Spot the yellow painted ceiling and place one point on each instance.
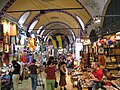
(24, 5)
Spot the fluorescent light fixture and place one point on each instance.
(97, 20)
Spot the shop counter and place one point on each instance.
(116, 83)
(84, 82)
(81, 80)
(116, 76)
(110, 88)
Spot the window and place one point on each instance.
(32, 25)
(23, 18)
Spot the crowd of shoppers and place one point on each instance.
(51, 66)
(20, 63)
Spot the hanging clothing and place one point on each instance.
(24, 58)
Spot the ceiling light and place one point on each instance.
(97, 20)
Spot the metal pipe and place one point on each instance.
(57, 29)
(108, 16)
(15, 11)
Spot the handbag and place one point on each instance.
(56, 84)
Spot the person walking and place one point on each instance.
(50, 79)
(15, 74)
(62, 82)
(33, 74)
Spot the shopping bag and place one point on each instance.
(56, 84)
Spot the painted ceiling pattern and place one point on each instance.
(95, 7)
(50, 12)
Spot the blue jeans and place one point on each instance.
(34, 81)
(7, 77)
(96, 86)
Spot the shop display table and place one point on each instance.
(116, 83)
(83, 82)
(110, 88)
(74, 77)
(116, 76)
(76, 73)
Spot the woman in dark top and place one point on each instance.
(62, 82)
(16, 74)
(33, 74)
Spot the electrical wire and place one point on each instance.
(58, 29)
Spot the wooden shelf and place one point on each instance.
(112, 63)
(113, 68)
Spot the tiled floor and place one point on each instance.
(26, 84)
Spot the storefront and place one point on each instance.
(9, 39)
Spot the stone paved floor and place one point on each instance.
(26, 84)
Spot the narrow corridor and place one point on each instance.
(26, 84)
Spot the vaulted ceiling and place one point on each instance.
(56, 15)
